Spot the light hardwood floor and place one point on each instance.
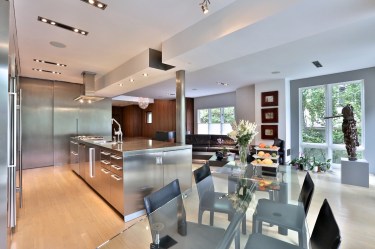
(61, 211)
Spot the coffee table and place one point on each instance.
(214, 162)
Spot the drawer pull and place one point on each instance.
(116, 167)
(105, 153)
(74, 153)
(116, 178)
(105, 162)
(116, 157)
(105, 171)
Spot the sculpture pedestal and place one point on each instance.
(355, 172)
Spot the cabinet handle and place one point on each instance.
(105, 153)
(116, 157)
(159, 160)
(74, 153)
(105, 162)
(92, 162)
(73, 142)
(116, 167)
(105, 171)
(116, 178)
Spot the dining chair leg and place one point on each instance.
(212, 218)
(257, 225)
(237, 239)
(200, 214)
(244, 225)
(302, 238)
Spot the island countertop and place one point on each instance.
(136, 145)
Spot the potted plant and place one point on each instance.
(302, 162)
(324, 166)
(225, 151)
(319, 166)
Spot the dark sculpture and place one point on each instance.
(349, 129)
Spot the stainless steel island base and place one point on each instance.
(123, 174)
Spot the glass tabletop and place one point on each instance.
(177, 224)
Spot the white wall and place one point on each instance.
(282, 86)
(245, 108)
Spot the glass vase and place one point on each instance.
(243, 150)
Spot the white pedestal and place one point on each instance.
(355, 172)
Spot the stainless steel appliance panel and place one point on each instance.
(143, 174)
(117, 192)
(37, 122)
(103, 176)
(105, 159)
(65, 116)
(82, 159)
(95, 118)
(74, 156)
(4, 39)
(177, 165)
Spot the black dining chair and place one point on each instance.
(325, 235)
(284, 215)
(165, 206)
(212, 201)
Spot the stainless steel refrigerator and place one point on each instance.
(4, 151)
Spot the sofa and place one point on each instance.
(210, 143)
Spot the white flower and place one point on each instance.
(243, 132)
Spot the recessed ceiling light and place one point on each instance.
(60, 25)
(52, 63)
(222, 83)
(131, 80)
(121, 84)
(145, 74)
(96, 3)
(275, 72)
(57, 44)
(46, 71)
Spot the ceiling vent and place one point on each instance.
(317, 64)
(89, 88)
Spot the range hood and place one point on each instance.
(89, 89)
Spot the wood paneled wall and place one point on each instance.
(134, 123)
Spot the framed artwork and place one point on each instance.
(270, 98)
(270, 115)
(269, 132)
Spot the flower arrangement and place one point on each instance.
(243, 132)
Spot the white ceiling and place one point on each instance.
(239, 42)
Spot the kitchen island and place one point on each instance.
(123, 173)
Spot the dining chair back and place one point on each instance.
(326, 232)
(306, 193)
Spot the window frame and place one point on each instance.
(210, 118)
(329, 145)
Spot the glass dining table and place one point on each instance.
(175, 225)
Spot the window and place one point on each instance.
(215, 120)
(323, 138)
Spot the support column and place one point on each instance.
(180, 107)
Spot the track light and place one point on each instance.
(204, 6)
